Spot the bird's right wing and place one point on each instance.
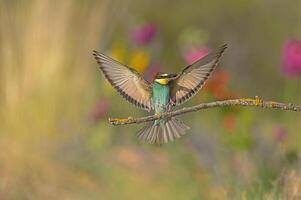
(126, 81)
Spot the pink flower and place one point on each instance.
(280, 134)
(193, 54)
(100, 110)
(144, 34)
(151, 72)
(291, 58)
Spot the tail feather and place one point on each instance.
(162, 132)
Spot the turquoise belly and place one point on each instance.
(160, 98)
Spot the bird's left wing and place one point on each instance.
(193, 77)
(126, 81)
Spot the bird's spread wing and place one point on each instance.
(194, 76)
(127, 81)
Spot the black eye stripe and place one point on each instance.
(166, 76)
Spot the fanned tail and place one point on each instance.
(162, 132)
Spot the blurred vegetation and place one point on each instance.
(56, 142)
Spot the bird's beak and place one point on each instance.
(173, 78)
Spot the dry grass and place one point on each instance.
(45, 60)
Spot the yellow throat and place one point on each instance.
(162, 81)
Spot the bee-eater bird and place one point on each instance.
(166, 91)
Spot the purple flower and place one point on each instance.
(144, 34)
(193, 54)
(291, 58)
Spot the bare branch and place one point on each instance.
(256, 102)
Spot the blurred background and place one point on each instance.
(56, 142)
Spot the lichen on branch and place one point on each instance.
(255, 102)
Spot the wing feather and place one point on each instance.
(126, 81)
(194, 76)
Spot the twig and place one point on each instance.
(257, 102)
